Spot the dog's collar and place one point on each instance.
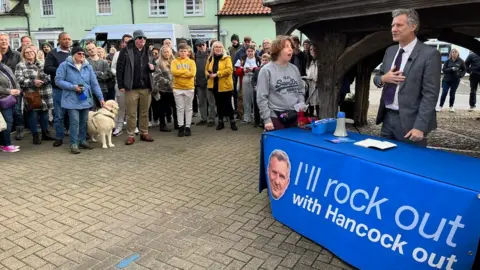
(108, 109)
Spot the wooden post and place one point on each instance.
(329, 47)
(362, 92)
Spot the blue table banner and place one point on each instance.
(375, 209)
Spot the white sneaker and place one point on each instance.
(156, 123)
(438, 109)
(471, 109)
(117, 132)
(137, 131)
(452, 109)
(150, 124)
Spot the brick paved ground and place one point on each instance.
(186, 203)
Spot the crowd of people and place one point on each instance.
(157, 86)
(152, 86)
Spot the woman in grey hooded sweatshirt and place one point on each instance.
(280, 87)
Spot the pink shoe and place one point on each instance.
(10, 149)
(16, 146)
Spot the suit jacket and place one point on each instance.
(418, 94)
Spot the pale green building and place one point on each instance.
(43, 20)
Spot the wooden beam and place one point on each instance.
(458, 16)
(363, 48)
(339, 9)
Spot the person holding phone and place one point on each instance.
(245, 68)
(79, 83)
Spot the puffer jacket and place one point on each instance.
(68, 77)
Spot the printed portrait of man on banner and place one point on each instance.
(278, 173)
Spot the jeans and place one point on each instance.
(78, 126)
(247, 89)
(5, 139)
(452, 86)
(59, 114)
(474, 81)
(122, 112)
(18, 112)
(166, 103)
(206, 103)
(235, 92)
(33, 120)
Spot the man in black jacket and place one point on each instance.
(52, 62)
(473, 67)
(134, 78)
(11, 58)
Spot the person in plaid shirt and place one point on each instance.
(31, 77)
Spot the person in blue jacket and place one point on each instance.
(79, 83)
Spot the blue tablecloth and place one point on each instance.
(424, 190)
(450, 168)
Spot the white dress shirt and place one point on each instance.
(407, 52)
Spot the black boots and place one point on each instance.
(19, 135)
(36, 139)
(164, 128)
(46, 136)
(233, 126)
(181, 131)
(220, 125)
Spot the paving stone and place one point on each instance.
(207, 215)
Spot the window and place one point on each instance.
(194, 7)
(158, 8)
(4, 6)
(47, 8)
(104, 7)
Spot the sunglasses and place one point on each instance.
(144, 38)
(81, 53)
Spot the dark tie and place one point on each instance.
(390, 88)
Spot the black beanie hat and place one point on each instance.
(235, 37)
(77, 48)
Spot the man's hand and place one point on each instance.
(38, 83)
(14, 92)
(415, 135)
(269, 126)
(212, 75)
(151, 66)
(393, 76)
(122, 90)
(78, 89)
(102, 103)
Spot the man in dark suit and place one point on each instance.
(410, 78)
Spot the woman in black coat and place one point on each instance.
(453, 70)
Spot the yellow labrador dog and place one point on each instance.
(102, 122)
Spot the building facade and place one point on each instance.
(47, 18)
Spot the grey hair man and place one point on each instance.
(410, 78)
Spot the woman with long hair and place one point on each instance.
(280, 87)
(453, 70)
(219, 70)
(37, 89)
(162, 88)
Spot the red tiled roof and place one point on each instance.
(244, 7)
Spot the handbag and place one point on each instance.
(7, 102)
(287, 118)
(33, 98)
(3, 123)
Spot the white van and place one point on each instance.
(108, 35)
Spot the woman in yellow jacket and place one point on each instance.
(219, 71)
